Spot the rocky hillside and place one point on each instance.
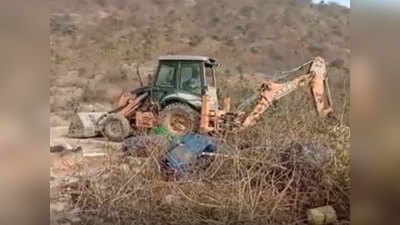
(95, 45)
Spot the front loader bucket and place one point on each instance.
(83, 125)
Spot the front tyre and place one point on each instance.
(115, 127)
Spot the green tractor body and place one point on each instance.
(173, 96)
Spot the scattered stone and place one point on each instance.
(321, 215)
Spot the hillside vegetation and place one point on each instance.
(94, 43)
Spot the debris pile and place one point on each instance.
(179, 154)
(187, 154)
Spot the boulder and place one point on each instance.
(321, 215)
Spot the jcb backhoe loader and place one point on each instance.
(183, 97)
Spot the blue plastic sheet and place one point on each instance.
(182, 156)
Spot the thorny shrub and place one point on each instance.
(255, 181)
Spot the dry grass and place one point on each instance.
(259, 184)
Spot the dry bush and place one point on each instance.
(258, 181)
(255, 185)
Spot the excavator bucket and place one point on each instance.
(84, 125)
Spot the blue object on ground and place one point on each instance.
(183, 156)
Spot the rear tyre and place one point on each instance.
(179, 119)
(115, 127)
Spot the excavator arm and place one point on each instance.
(312, 73)
(270, 91)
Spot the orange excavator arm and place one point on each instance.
(270, 91)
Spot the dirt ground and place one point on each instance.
(65, 165)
